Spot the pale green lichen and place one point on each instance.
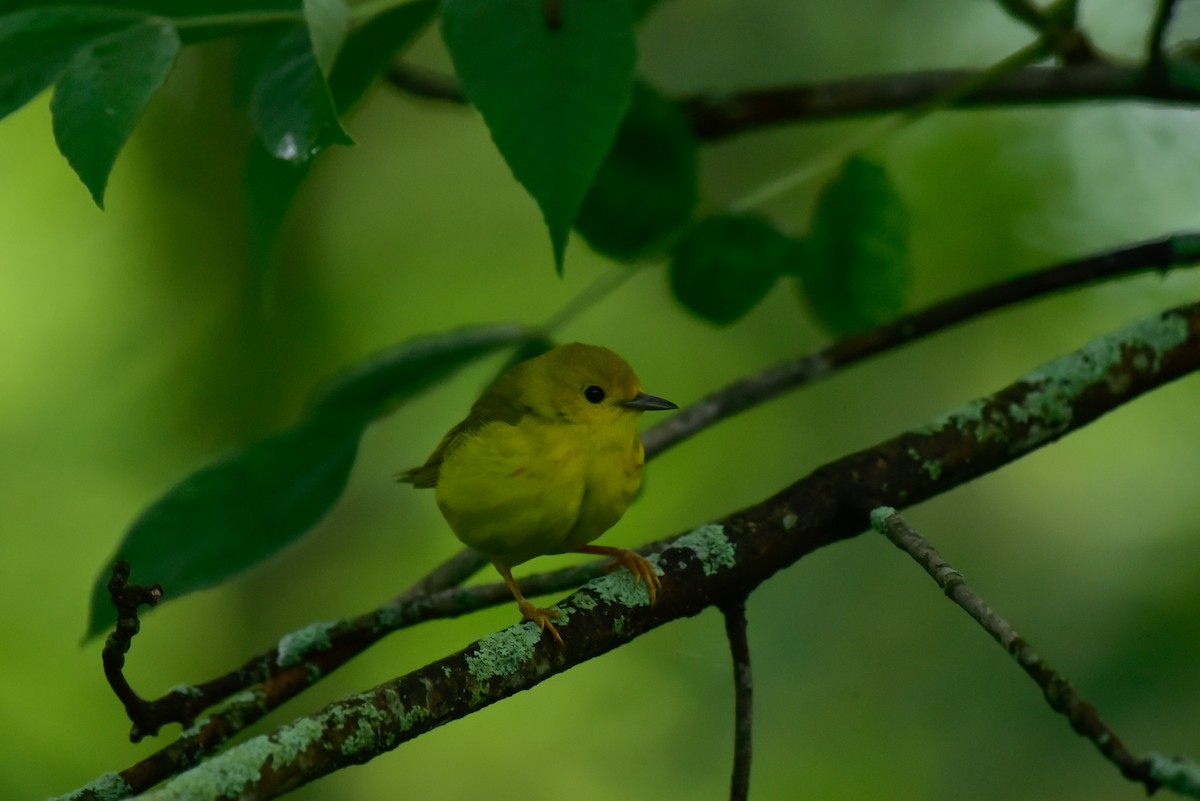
(621, 587)
(504, 652)
(879, 517)
(932, 468)
(789, 521)
(1050, 407)
(225, 775)
(292, 648)
(710, 546)
(361, 739)
(109, 787)
(1178, 774)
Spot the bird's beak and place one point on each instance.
(648, 403)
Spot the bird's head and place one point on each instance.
(584, 384)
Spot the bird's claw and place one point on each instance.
(643, 570)
(543, 618)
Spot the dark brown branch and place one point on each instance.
(743, 713)
(1157, 255)
(1062, 697)
(716, 117)
(127, 598)
(721, 116)
(724, 561)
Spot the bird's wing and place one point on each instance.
(499, 403)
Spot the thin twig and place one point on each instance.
(127, 598)
(1062, 697)
(718, 117)
(743, 686)
(1156, 255)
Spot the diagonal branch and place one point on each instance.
(1156, 255)
(718, 563)
(1063, 698)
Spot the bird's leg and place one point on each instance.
(634, 562)
(543, 617)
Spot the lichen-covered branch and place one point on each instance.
(717, 563)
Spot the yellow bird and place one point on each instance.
(547, 460)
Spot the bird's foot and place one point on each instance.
(544, 618)
(643, 569)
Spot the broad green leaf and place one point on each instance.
(37, 44)
(271, 184)
(726, 264)
(646, 188)
(102, 93)
(291, 106)
(236, 511)
(328, 21)
(370, 48)
(552, 97)
(855, 272)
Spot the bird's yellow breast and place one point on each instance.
(540, 486)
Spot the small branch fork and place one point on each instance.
(1062, 697)
(273, 677)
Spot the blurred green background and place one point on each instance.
(137, 345)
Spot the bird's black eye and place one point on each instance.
(594, 394)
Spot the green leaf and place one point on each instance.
(102, 93)
(270, 185)
(370, 48)
(856, 271)
(291, 106)
(37, 44)
(236, 511)
(646, 188)
(552, 97)
(328, 21)
(726, 264)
